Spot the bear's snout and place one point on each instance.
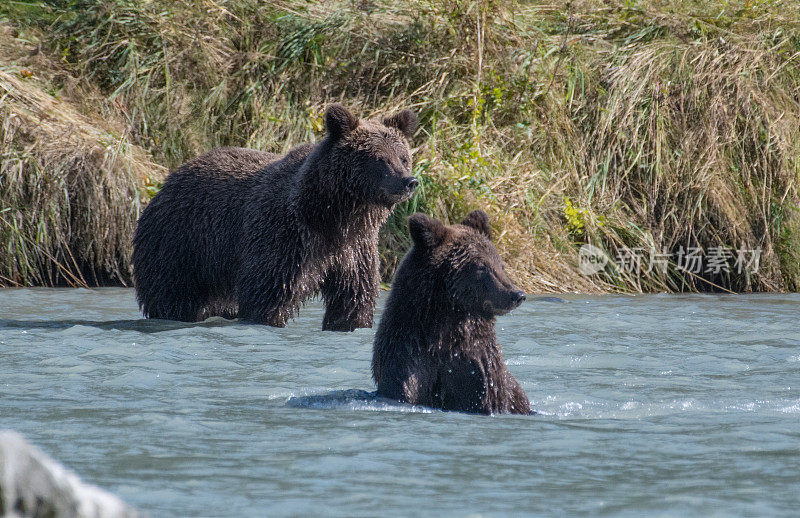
(501, 302)
(399, 188)
(510, 301)
(517, 298)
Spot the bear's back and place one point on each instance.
(212, 185)
(227, 163)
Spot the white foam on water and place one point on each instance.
(792, 408)
(353, 400)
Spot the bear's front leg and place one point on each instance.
(519, 403)
(350, 294)
(404, 376)
(463, 386)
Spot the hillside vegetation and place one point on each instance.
(633, 126)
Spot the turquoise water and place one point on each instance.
(649, 405)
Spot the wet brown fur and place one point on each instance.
(436, 343)
(242, 232)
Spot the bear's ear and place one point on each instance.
(426, 231)
(405, 121)
(478, 220)
(339, 121)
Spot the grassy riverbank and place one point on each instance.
(665, 126)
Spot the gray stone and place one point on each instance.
(34, 485)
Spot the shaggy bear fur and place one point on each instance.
(242, 232)
(436, 344)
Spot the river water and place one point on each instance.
(648, 405)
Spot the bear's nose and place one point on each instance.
(411, 183)
(519, 297)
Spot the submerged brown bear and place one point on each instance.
(436, 343)
(242, 232)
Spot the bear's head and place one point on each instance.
(374, 157)
(465, 264)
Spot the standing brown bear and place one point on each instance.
(436, 344)
(247, 233)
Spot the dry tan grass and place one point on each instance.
(70, 187)
(622, 124)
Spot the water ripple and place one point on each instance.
(648, 405)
